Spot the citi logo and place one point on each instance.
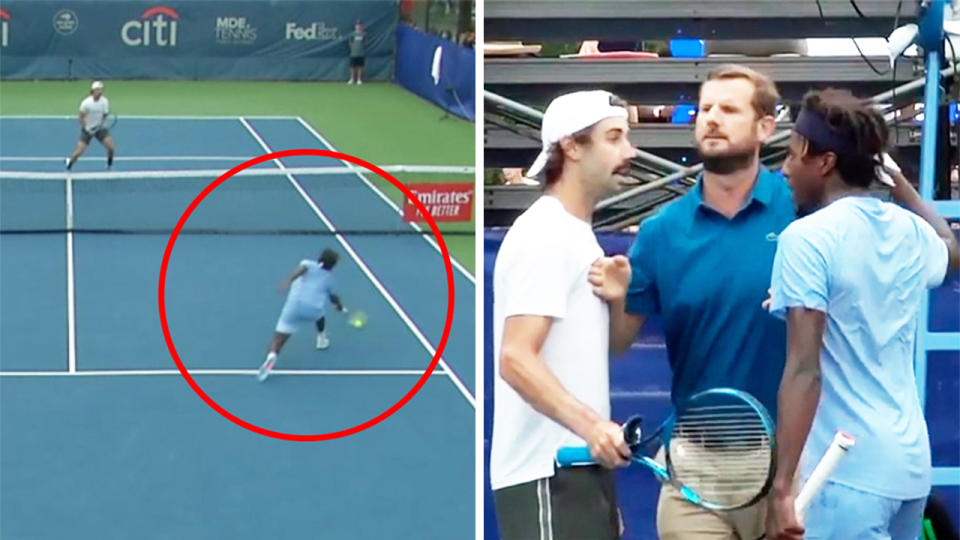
(160, 22)
(318, 31)
(4, 27)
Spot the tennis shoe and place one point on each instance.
(267, 367)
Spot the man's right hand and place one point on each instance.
(607, 445)
(610, 277)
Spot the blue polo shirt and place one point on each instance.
(706, 276)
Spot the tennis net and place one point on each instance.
(312, 201)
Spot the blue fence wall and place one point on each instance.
(437, 70)
(640, 384)
(224, 39)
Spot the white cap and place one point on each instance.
(97, 85)
(569, 114)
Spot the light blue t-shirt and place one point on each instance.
(313, 288)
(867, 264)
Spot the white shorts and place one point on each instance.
(295, 314)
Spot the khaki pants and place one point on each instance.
(679, 519)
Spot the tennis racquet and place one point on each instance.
(719, 449)
(835, 452)
(108, 123)
(811, 488)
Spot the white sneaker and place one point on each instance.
(359, 82)
(267, 367)
(322, 340)
(350, 81)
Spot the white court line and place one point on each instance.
(238, 159)
(71, 285)
(366, 270)
(142, 117)
(242, 372)
(356, 170)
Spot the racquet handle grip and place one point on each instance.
(572, 456)
(837, 450)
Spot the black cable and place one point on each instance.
(865, 17)
(867, 60)
(896, 18)
(893, 98)
(857, 45)
(857, 9)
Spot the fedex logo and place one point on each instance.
(318, 31)
(160, 22)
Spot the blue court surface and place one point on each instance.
(101, 438)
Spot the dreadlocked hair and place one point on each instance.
(861, 123)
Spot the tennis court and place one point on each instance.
(99, 435)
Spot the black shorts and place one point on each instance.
(578, 503)
(100, 135)
(357, 61)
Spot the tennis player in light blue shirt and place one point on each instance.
(310, 292)
(849, 278)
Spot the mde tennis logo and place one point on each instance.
(235, 30)
(445, 202)
(318, 31)
(156, 27)
(4, 27)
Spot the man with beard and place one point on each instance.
(703, 265)
(551, 335)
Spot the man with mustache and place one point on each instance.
(551, 335)
(703, 265)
